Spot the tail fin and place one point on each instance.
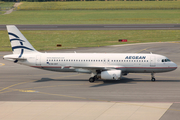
(19, 43)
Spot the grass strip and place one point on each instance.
(92, 17)
(47, 40)
(101, 5)
(6, 5)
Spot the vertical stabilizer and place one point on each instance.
(19, 43)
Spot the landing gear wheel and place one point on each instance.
(91, 79)
(153, 79)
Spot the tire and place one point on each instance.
(153, 79)
(91, 79)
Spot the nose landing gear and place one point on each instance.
(152, 77)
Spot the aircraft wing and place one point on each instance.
(95, 68)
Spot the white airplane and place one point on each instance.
(108, 66)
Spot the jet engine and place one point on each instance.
(110, 75)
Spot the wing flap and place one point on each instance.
(94, 68)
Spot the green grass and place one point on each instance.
(52, 13)
(47, 40)
(92, 17)
(95, 5)
(6, 4)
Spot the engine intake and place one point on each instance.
(111, 75)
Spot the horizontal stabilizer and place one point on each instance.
(13, 57)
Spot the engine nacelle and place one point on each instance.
(111, 75)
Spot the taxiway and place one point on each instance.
(29, 86)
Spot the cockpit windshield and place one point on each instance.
(166, 60)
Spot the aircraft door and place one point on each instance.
(38, 60)
(153, 61)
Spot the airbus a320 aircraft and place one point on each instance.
(108, 66)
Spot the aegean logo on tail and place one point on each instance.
(21, 42)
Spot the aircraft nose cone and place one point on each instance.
(175, 66)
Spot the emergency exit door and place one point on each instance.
(38, 60)
(153, 61)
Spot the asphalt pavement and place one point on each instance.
(99, 27)
(29, 86)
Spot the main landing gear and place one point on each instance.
(152, 77)
(92, 79)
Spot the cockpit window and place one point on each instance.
(166, 60)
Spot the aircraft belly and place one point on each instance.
(148, 70)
